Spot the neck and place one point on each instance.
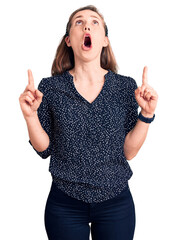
(88, 73)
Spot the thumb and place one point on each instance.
(39, 95)
(137, 93)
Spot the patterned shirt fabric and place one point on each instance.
(86, 147)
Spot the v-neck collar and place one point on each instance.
(100, 93)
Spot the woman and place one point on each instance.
(85, 116)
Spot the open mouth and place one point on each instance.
(87, 41)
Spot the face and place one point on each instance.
(87, 22)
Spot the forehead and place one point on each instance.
(86, 13)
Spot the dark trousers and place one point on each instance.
(67, 218)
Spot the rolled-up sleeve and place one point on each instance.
(131, 107)
(45, 118)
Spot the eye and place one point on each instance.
(95, 21)
(79, 21)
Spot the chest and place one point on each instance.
(74, 118)
(89, 92)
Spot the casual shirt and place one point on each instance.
(86, 147)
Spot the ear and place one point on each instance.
(67, 40)
(106, 42)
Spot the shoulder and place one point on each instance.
(125, 81)
(52, 83)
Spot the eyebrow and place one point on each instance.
(82, 16)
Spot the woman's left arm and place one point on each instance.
(146, 98)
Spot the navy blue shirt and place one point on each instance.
(86, 146)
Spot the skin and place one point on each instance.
(87, 63)
(30, 100)
(88, 70)
(87, 66)
(146, 98)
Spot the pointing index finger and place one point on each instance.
(31, 79)
(145, 79)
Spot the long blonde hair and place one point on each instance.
(64, 57)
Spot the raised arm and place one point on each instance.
(146, 98)
(30, 101)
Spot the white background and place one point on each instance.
(141, 33)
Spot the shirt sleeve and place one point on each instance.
(132, 107)
(45, 118)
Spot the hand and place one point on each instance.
(146, 96)
(31, 98)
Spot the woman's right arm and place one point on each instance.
(30, 101)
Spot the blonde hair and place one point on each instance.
(64, 57)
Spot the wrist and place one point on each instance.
(148, 118)
(33, 116)
(147, 115)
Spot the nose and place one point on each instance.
(86, 28)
